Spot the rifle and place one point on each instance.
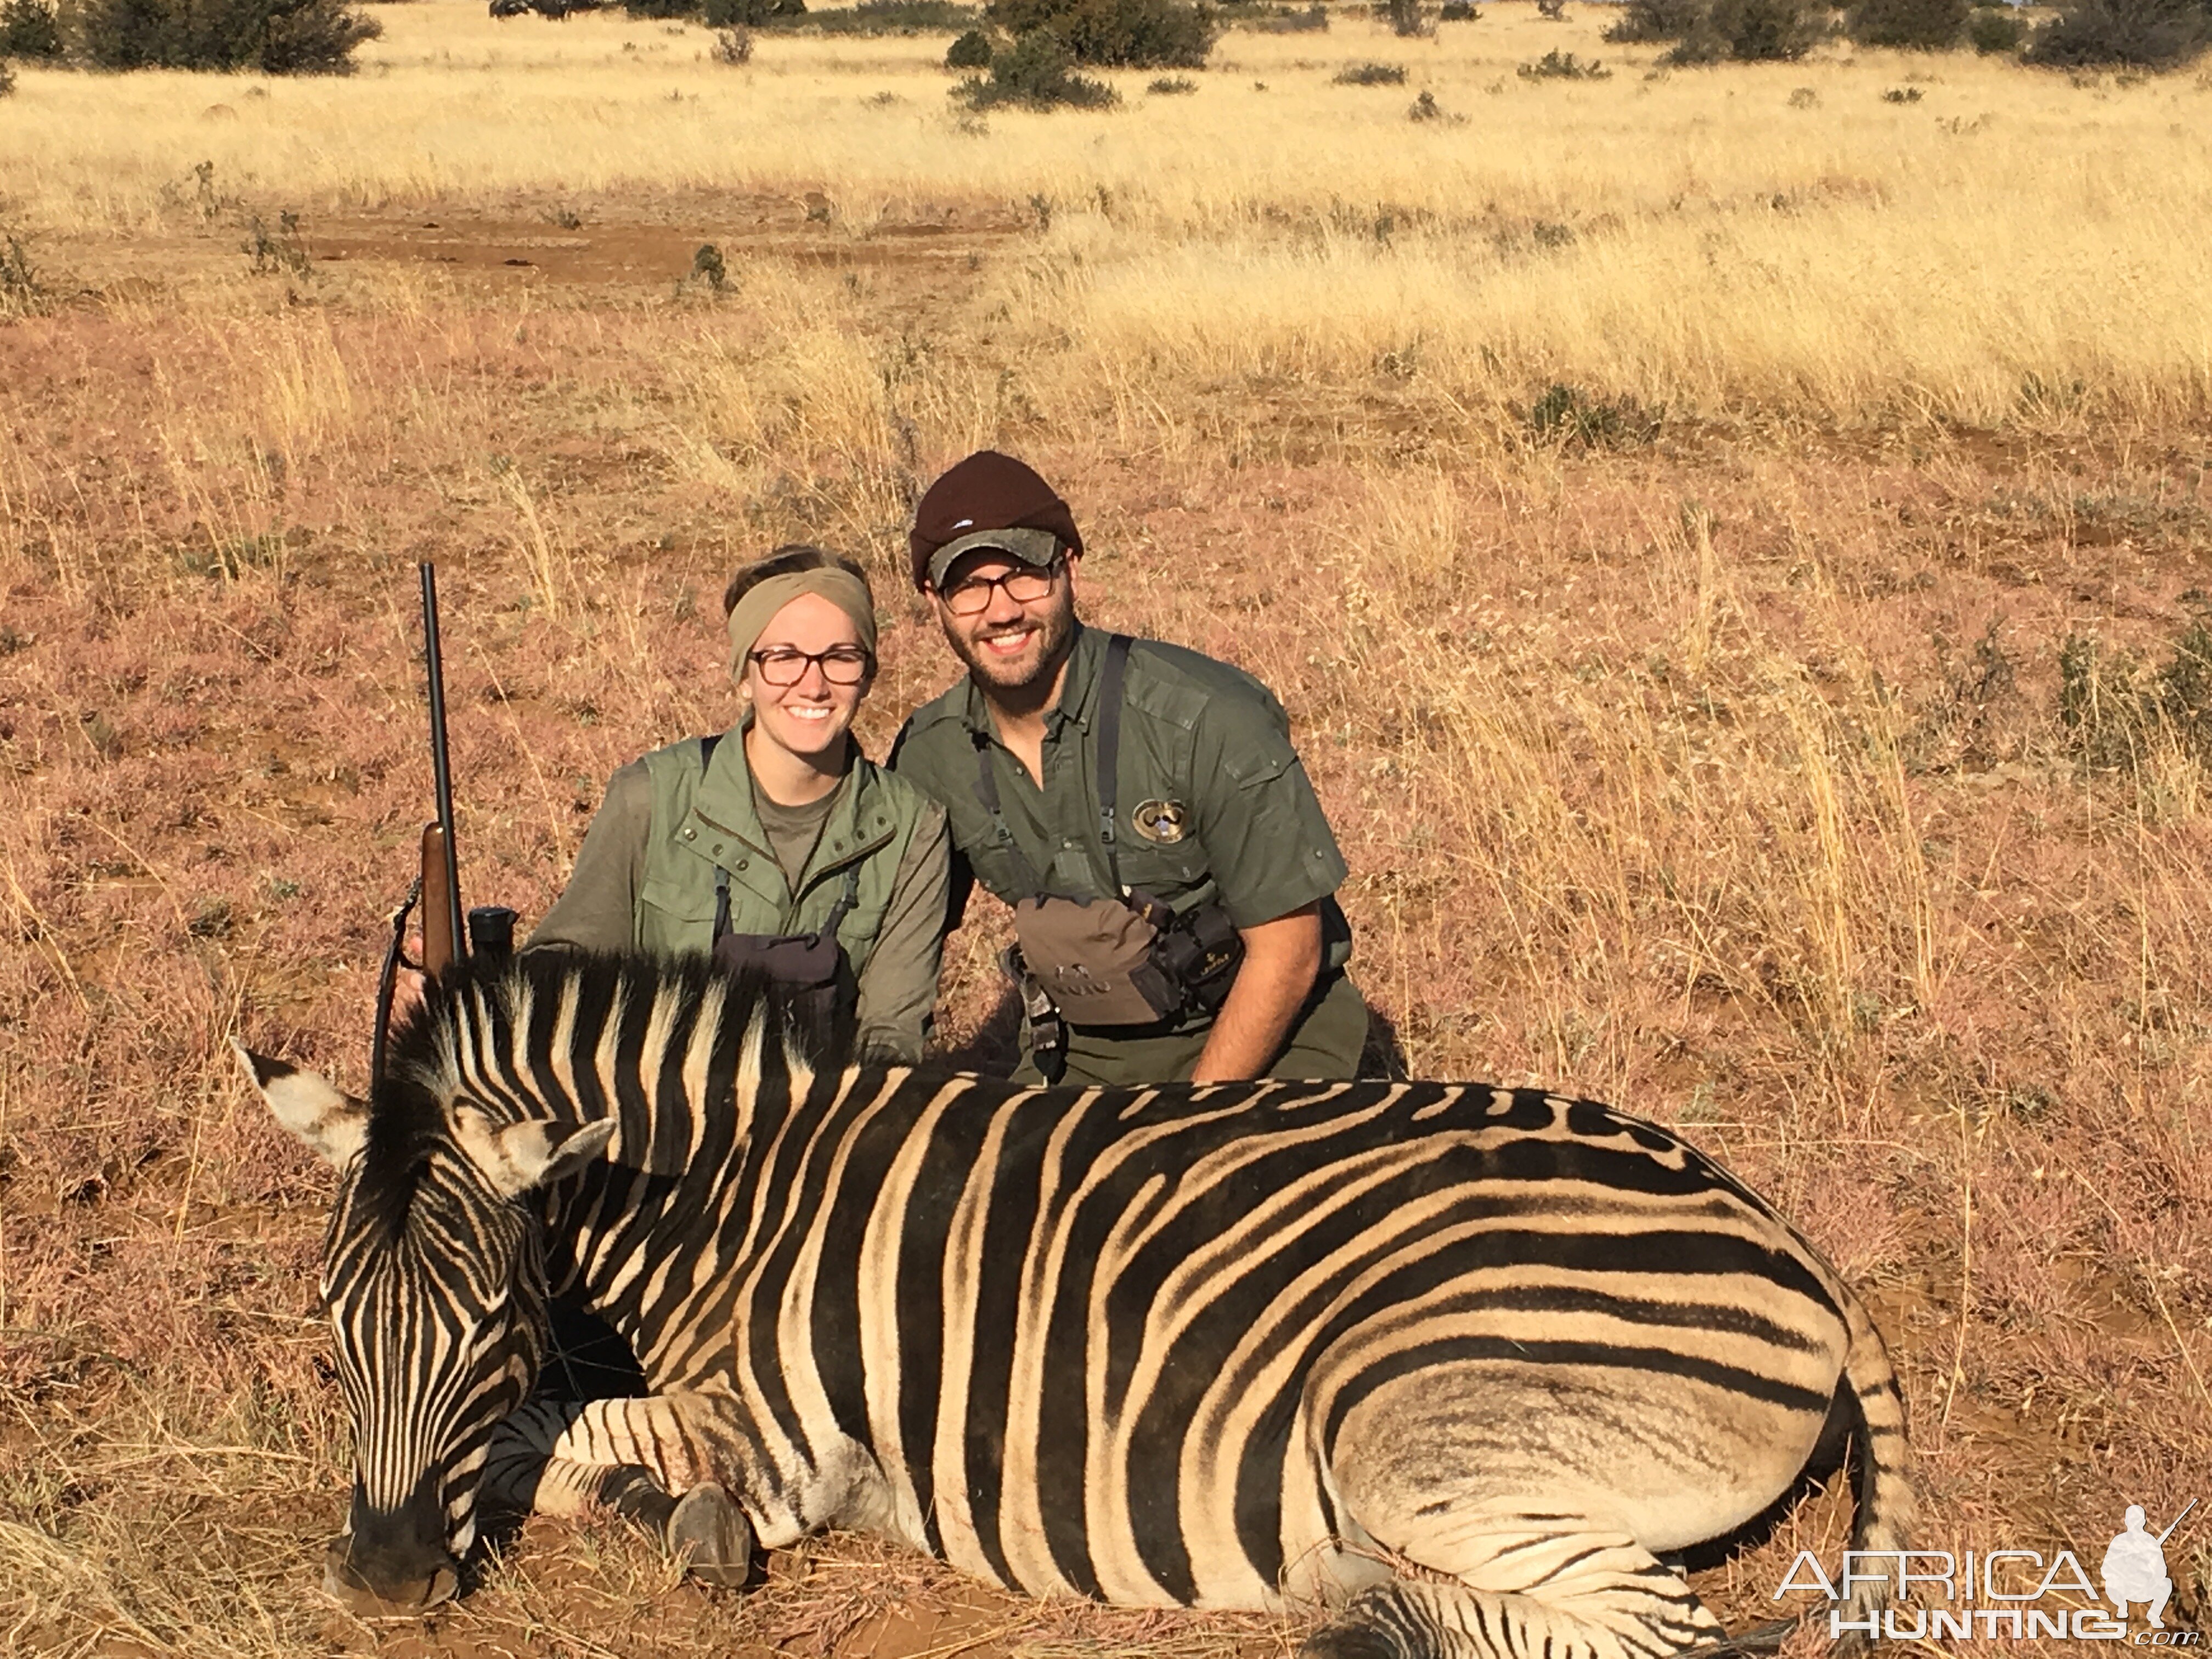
(445, 943)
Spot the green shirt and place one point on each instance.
(1213, 802)
(645, 876)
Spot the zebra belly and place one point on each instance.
(1666, 1461)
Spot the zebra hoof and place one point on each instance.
(711, 1539)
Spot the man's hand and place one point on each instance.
(1282, 959)
(409, 991)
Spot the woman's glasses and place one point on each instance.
(841, 665)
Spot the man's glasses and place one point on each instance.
(841, 665)
(1025, 585)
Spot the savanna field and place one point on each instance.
(1734, 542)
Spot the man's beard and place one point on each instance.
(1038, 664)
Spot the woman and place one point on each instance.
(778, 845)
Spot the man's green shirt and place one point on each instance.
(1213, 802)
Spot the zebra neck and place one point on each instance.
(646, 1241)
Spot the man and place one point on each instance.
(1139, 806)
(2134, 1569)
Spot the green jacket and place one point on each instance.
(1212, 801)
(646, 876)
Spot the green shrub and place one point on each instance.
(1557, 65)
(277, 37)
(971, 50)
(666, 8)
(20, 290)
(1036, 72)
(1122, 33)
(1458, 11)
(1996, 29)
(1645, 20)
(1747, 31)
(1917, 24)
(900, 17)
(1369, 75)
(2142, 33)
(30, 29)
(1172, 86)
(2114, 713)
(1280, 19)
(1567, 414)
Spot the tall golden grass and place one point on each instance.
(2015, 248)
(1722, 774)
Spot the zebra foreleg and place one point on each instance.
(1571, 1596)
(574, 1459)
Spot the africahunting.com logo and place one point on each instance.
(2020, 1594)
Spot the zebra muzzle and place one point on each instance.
(369, 1588)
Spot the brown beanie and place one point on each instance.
(987, 491)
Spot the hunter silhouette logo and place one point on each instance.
(2025, 1595)
(2135, 1567)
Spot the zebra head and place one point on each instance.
(433, 1276)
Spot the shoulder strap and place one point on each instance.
(721, 876)
(1109, 748)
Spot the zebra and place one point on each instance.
(1462, 1367)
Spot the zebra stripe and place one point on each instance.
(1223, 1347)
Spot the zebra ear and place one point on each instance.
(333, 1123)
(517, 1156)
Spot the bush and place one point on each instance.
(1749, 32)
(2143, 33)
(1567, 414)
(1459, 11)
(1557, 65)
(29, 28)
(2116, 711)
(971, 50)
(7, 78)
(1405, 17)
(277, 37)
(1034, 73)
(1287, 20)
(882, 17)
(724, 14)
(1917, 25)
(732, 45)
(1369, 74)
(1122, 33)
(1645, 20)
(1995, 28)
(1172, 86)
(20, 290)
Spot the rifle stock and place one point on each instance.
(441, 946)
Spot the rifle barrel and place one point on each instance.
(2178, 1520)
(441, 766)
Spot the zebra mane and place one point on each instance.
(483, 1037)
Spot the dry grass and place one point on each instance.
(1671, 773)
(1695, 240)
